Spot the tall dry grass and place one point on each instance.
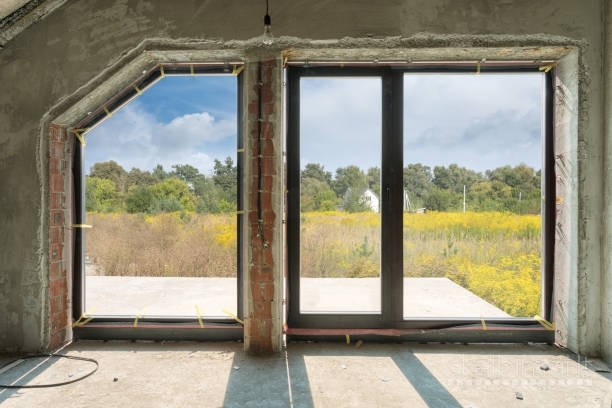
(494, 255)
(168, 244)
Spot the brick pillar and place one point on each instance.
(263, 169)
(59, 242)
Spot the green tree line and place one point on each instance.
(110, 188)
(513, 189)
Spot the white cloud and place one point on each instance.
(341, 121)
(133, 137)
(477, 121)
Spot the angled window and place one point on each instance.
(160, 192)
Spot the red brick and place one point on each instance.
(265, 327)
(266, 201)
(267, 183)
(268, 148)
(262, 256)
(267, 161)
(261, 273)
(56, 235)
(55, 271)
(262, 309)
(57, 218)
(55, 252)
(267, 95)
(57, 339)
(54, 165)
(268, 109)
(258, 345)
(59, 320)
(268, 167)
(55, 132)
(58, 304)
(267, 130)
(262, 291)
(269, 217)
(55, 201)
(253, 108)
(58, 287)
(56, 150)
(57, 183)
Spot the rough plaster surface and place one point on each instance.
(606, 287)
(47, 64)
(9, 6)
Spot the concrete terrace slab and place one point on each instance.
(160, 296)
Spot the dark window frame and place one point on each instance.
(151, 327)
(391, 319)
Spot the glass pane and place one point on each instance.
(340, 149)
(161, 194)
(472, 166)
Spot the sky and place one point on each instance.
(178, 120)
(476, 121)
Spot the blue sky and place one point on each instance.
(178, 120)
(477, 121)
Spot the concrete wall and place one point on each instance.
(606, 287)
(56, 60)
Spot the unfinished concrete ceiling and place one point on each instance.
(10, 6)
(17, 15)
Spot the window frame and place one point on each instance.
(302, 325)
(151, 327)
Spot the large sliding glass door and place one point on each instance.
(340, 153)
(472, 239)
(415, 198)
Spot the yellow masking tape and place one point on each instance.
(548, 325)
(478, 68)
(138, 316)
(227, 312)
(81, 226)
(199, 316)
(108, 113)
(80, 137)
(137, 89)
(161, 70)
(191, 69)
(83, 319)
(348, 338)
(237, 69)
(484, 325)
(548, 67)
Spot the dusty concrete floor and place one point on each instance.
(314, 375)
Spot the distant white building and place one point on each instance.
(367, 197)
(370, 199)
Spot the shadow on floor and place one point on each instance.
(317, 374)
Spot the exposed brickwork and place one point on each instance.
(59, 180)
(259, 329)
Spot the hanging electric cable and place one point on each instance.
(267, 34)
